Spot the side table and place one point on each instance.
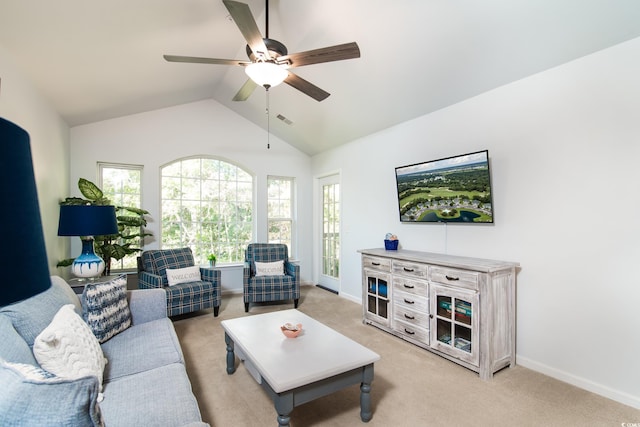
(78, 284)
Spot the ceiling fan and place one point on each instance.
(269, 59)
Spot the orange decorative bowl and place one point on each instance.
(291, 330)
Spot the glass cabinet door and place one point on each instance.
(377, 296)
(455, 323)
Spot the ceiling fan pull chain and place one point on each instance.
(268, 126)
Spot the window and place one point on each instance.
(280, 211)
(122, 184)
(207, 205)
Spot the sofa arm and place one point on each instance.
(148, 280)
(147, 305)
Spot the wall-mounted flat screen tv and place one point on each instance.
(453, 189)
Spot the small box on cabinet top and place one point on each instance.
(391, 245)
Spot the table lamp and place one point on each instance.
(87, 221)
(24, 263)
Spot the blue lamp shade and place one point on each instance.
(87, 221)
(24, 265)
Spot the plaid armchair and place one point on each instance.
(269, 287)
(183, 297)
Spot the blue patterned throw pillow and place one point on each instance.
(105, 307)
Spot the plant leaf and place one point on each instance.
(90, 190)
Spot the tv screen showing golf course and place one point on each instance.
(453, 189)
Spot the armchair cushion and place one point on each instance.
(275, 268)
(183, 275)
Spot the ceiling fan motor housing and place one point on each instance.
(275, 48)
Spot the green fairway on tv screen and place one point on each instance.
(453, 189)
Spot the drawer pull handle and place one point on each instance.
(409, 301)
(409, 332)
(409, 286)
(375, 263)
(409, 317)
(452, 278)
(408, 270)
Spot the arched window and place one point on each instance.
(207, 205)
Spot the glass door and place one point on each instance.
(455, 323)
(329, 277)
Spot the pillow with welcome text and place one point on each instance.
(183, 275)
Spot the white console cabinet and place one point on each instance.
(458, 307)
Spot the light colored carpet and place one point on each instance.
(412, 387)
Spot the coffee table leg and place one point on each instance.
(231, 357)
(284, 406)
(365, 394)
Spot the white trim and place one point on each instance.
(583, 383)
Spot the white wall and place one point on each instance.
(22, 104)
(156, 138)
(564, 148)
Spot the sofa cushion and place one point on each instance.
(141, 348)
(13, 348)
(31, 316)
(105, 307)
(68, 348)
(32, 396)
(159, 397)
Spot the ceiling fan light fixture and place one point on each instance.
(266, 74)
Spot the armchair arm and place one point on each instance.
(292, 270)
(208, 274)
(246, 273)
(148, 280)
(147, 305)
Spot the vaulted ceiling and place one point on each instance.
(96, 60)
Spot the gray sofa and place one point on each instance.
(145, 381)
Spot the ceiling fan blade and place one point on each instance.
(246, 90)
(325, 54)
(194, 59)
(305, 87)
(243, 18)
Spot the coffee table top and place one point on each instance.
(317, 353)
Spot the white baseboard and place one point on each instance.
(351, 298)
(618, 396)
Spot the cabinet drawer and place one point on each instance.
(410, 301)
(412, 317)
(416, 287)
(382, 264)
(412, 331)
(409, 269)
(455, 277)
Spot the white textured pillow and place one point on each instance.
(275, 268)
(68, 348)
(183, 275)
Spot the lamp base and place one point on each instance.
(88, 264)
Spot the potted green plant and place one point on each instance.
(212, 260)
(130, 227)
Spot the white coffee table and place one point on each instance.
(294, 371)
